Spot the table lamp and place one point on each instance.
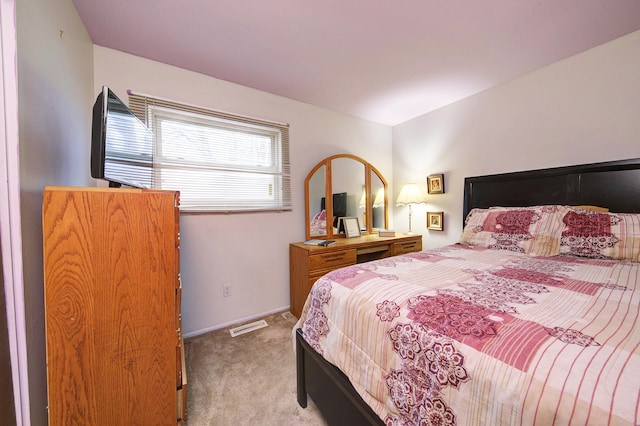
(410, 194)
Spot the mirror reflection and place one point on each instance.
(347, 181)
(362, 208)
(354, 188)
(316, 191)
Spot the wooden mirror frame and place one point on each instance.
(369, 171)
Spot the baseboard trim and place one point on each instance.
(236, 322)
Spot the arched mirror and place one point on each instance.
(344, 185)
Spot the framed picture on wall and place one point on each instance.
(435, 184)
(435, 221)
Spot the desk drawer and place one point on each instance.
(332, 260)
(315, 276)
(406, 247)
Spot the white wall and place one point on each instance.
(583, 109)
(250, 251)
(55, 90)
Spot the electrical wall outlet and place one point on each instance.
(226, 290)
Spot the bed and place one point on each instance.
(531, 319)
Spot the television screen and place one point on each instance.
(121, 144)
(339, 206)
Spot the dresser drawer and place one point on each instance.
(307, 288)
(332, 260)
(403, 247)
(315, 276)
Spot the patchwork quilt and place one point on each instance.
(472, 336)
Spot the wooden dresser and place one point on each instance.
(308, 263)
(114, 345)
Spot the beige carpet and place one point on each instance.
(246, 380)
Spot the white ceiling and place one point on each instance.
(382, 60)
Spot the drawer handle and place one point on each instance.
(410, 244)
(336, 256)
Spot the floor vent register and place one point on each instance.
(247, 328)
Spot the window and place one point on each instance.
(218, 161)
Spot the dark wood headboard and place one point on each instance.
(612, 184)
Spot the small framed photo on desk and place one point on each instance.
(351, 227)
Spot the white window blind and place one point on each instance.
(219, 162)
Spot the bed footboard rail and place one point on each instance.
(301, 389)
(329, 388)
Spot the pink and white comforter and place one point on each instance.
(466, 335)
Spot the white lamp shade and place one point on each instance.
(379, 200)
(363, 199)
(410, 194)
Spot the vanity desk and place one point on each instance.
(308, 263)
(342, 186)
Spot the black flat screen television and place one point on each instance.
(339, 206)
(121, 144)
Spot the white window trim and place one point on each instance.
(145, 106)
